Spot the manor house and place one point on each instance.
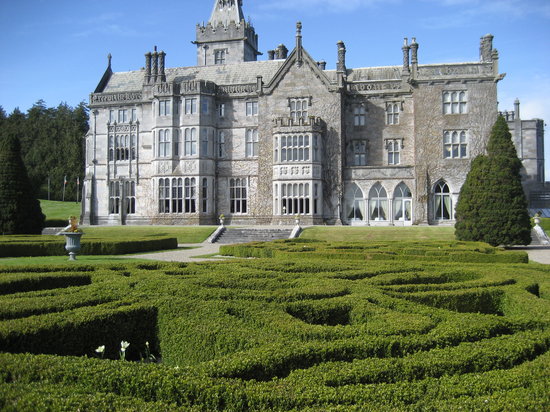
(265, 142)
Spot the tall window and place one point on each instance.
(219, 57)
(359, 148)
(204, 106)
(164, 107)
(134, 115)
(130, 197)
(359, 115)
(238, 200)
(164, 195)
(190, 142)
(122, 147)
(402, 200)
(394, 152)
(114, 197)
(204, 195)
(191, 106)
(177, 142)
(316, 191)
(392, 113)
(455, 102)
(251, 143)
(251, 108)
(190, 195)
(298, 109)
(442, 200)
(112, 117)
(221, 110)
(295, 199)
(164, 144)
(177, 195)
(204, 142)
(316, 148)
(354, 203)
(221, 144)
(455, 144)
(295, 148)
(378, 203)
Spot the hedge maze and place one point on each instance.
(288, 326)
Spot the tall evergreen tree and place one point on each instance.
(20, 211)
(492, 206)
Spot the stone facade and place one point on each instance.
(263, 142)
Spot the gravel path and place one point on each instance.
(184, 253)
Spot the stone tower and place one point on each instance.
(227, 38)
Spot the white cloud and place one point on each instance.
(333, 6)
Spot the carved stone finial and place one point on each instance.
(299, 43)
(109, 58)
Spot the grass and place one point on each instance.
(545, 224)
(184, 234)
(376, 234)
(59, 210)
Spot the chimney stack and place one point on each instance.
(147, 67)
(341, 66)
(406, 53)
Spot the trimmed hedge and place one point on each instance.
(56, 247)
(293, 332)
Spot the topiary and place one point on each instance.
(492, 206)
(20, 211)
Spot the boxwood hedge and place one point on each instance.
(304, 326)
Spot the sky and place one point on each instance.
(56, 50)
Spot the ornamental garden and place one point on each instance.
(301, 325)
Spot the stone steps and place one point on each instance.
(240, 235)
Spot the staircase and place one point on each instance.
(245, 235)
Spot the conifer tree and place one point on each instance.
(492, 206)
(20, 211)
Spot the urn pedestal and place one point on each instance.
(72, 243)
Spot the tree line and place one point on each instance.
(52, 146)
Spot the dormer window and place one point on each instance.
(219, 56)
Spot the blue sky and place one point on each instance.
(56, 50)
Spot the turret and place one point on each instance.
(226, 38)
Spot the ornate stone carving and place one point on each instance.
(125, 97)
(375, 86)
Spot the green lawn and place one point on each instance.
(184, 234)
(59, 210)
(357, 234)
(545, 224)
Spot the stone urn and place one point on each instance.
(72, 243)
(536, 219)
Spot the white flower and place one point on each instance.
(100, 349)
(147, 343)
(124, 345)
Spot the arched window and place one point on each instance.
(164, 195)
(442, 201)
(378, 203)
(355, 203)
(402, 200)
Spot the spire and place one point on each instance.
(225, 12)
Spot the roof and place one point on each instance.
(226, 74)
